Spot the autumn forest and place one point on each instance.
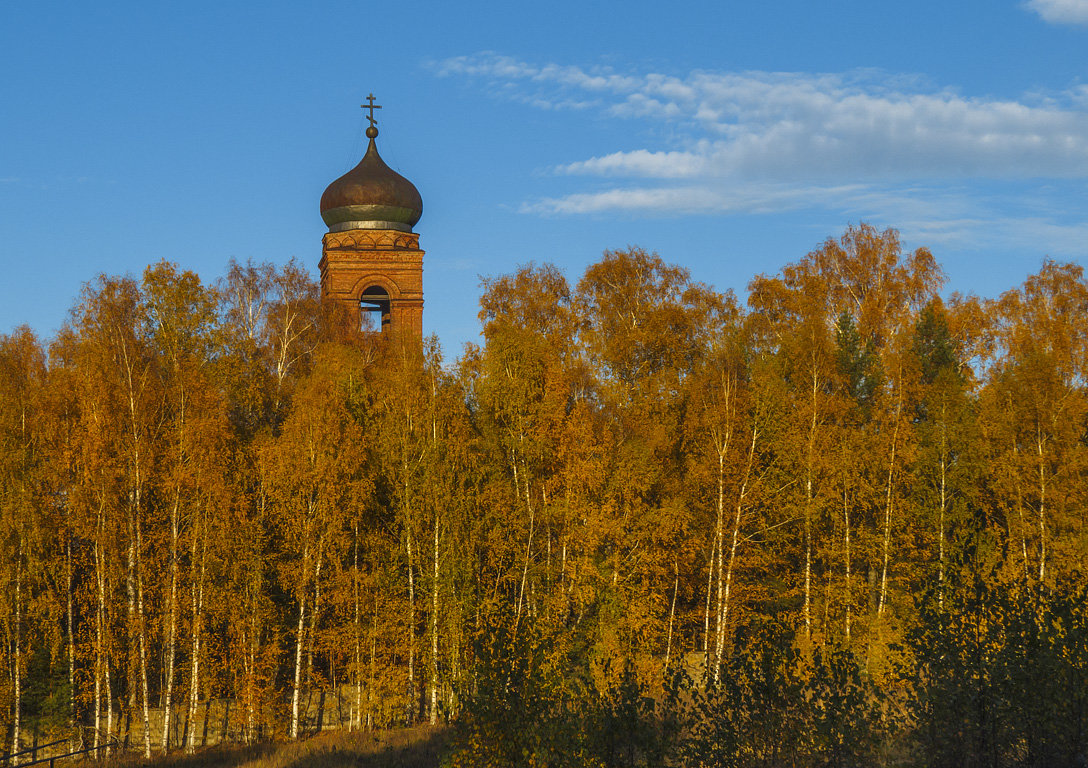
(838, 521)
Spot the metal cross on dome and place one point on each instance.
(370, 105)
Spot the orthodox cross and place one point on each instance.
(370, 105)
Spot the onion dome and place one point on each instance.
(371, 196)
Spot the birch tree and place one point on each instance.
(1035, 405)
(22, 373)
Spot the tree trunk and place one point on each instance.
(17, 660)
(719, 541)
(70, 632)
(251, 672)
(672, 610)
(888, 509)
(171, 625)
(314, 610)
(357, 714)
(1020, 507)
(252, 653)
(809, 503)
(299, 641)
(411, 704)
(944, 506)
(434, 626)
(109, 707)
(131, 664)
(254, 628)
(197, 595)
(525, 564)
(846, 535)
(723, 622)
(706, 615)
(142, 638)
(1039, 445)
(373, 666)
(101, 659)
(136, 481)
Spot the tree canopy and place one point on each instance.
(843, 502)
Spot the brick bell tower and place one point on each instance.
(370, 257)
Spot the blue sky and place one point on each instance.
(730, 137)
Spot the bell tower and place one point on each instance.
(370, 257)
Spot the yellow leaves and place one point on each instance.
(644, 321)
(863, 273)
(607, 447)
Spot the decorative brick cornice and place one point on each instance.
(376, 240)
(355, 260)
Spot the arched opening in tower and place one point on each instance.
(374, 301)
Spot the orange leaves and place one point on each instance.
(636, 462)
(863, 274)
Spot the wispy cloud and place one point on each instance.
(790, 126)
(866, 144)
(956, 218)
(696, 199)
(1060, 11)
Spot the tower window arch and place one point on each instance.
(374, 300)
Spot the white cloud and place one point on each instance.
(695, 199)
(864, 144)
(641, 162)
(792, 126)
(1060, 11)
(507, 67)
(939, 218)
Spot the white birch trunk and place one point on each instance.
(434, 627)
(142, 640)
(1039, 443)
(97, 688)
(672, 611)
(252, 648)
(102, 665)
(373, 667)
(109, 708)
(131, 664)
(1020, 508)
(719, 533)
(733, 549)
(564, 586)
(172, 617)
(254, 587)
(17, 660)
(314, 613)
(721, 446)
(70, 632)
(106, 671)
(134, 500)
(706, 615)
(98, 645)
(197, 593)
(171, 625)
(944, 505)
(411, 705)
(846, 536)
(299, 641)
(888, 509)
(810, 458)
(357, 714)
(528, 551)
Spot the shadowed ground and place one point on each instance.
(420, 747)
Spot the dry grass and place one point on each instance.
(420, 747)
